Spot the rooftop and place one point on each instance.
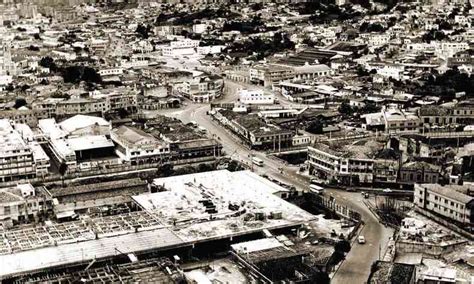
(357, 149)
(456, 192)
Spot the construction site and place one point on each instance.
(190, 214)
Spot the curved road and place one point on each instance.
(356, 267)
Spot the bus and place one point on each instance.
(316, 189)
(257, 161)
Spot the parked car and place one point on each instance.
(387, 190)
(361, 240)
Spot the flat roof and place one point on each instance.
(39, 259)
(89, 142)
(188, 198)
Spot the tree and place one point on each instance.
(345, 108)
(315, 127)
(143, 30)
(19, 102)
(62, 172)
(48, 62)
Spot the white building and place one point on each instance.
(257, 97)
(450, 201)
(180, 48)
(199, 28)
(16, 156)
(136, 146)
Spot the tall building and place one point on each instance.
(16, 156)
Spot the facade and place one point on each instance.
(419, 172)
(399, 121)
(16, 156)
(332, 164)
(201, 89)
(266, 75)
(20, 203)
(450, 201)
(25, 116)
(251, 97)
(136, 146)
(459, 113)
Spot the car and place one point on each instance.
(361, 240)
(387, 190)
(366, 195)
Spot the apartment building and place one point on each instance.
(450, 201)
(338, 161)
(16, 157)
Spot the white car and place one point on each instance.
(387, 190)
(361, 240)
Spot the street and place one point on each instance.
(356, 267)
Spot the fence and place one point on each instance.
(331, 204)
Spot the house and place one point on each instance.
(21, 203)
(419, 172)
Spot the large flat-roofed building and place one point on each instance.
(223, 198)
(190, 210)
(78, 140)
(454, 202)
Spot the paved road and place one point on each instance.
(356, 267)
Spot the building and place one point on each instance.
(83, 125)
(419, 172)
(202, 88)
(180, 48)
(16, 156)
(105, 195)
(399, 121)
(453, 202)
(267, 75)
(135, 146)
(189, 212)
(250, 97)
(344, 162)
(279, 260)
(21, 115)
(254, 131)
(78, 141)
(21, 203)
